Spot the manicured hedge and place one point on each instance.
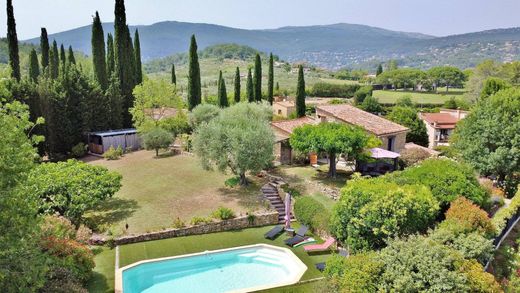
(323, 89)
(503, 215)
(312, 213)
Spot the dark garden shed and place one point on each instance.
(100, 142)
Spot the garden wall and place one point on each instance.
(264, 219)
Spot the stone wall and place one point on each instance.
(264, 219)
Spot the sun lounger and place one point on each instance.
(320, 247)
(309, 240)
(299, 237)
(273, 233)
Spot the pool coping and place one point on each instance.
(290, 281)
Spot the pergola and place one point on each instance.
(376, 169)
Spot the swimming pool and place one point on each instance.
(240, 269)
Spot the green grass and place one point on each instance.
(390, 96)
(104, 271)
(156, 191)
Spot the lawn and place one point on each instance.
(156, 191)
(103, 280)
(390, 96)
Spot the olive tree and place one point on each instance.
(239, 139)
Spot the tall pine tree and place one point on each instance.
(174, 77)
(194, 87)
(63, 55)
(12, 39)
(54, 61)
(379, 69)
(110, 55)
(300, 93)
(237, 86)
(258, 78)
(249, 87)
(34, 66)
(44, 47)
(138, 63)
(270, 82)
(98, 53)
(222, 92)
(71, 58)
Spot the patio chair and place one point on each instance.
(299, 237)
(273, 233)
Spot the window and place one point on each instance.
(279, 112)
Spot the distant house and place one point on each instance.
(100, 142)
(441, 125)
(284, 108)
(392, 135)
(283, 130)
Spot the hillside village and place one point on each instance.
(230, 168)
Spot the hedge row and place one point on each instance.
(503, 215)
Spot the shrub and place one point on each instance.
(223, 213)
(79, 150)
(362, 93)
(322, 89)
(291, 190)
(357, 273)
(57, 226)
(113, 153)
(178, 223)
(447, 180)
(471, 245)
(232, 182)
(61, 280)
(370, 211)
(310, 212)
(446, 151)
(478, 280)
(83, 234)
(413, 156)
(464, 216)
(156, 139)
(503, 215)
(200, 220)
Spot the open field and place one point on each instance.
(390, 96)
(156, 191)
(103, 280)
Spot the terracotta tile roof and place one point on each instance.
(440, 120)
(286, 104)
(287, 126)
(370, 122)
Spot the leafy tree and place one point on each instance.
(156, 139)
(407, 116)
(489, 137)
(237, 86)
(194, 89)
(371, 104)
(22, 266)
(71, 188)
(436, 173)
(391, 65)
(98, 53)
(357, 273)
(240, 139)
(331, 138)
(174, 77)
(270, 81)
(250, 89)
(138, 63)
(54, 61)
(447, 76)
(110, 55)
(222, 93)
(34, 67)
(300, 93)
(493, 85)
(44, 48)
(379, 69)
(362, 93)
(257, 82)
(71, 58)
(372, 211)
(203, 114)
(12, 39)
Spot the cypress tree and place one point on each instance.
(174, 77)
(115, 101)
(110, 55)
(270, 82)
(34, 67)
(12, 38)
(54, 61)
(379, 69)
(250, 90)
(222, 92)
(138, 63)
(300, 93)
(98, 52)
(44, 47)
(277, 88)
(72, 59)
(237, 86)
(194, 88)
(63, 56)
(258, 78)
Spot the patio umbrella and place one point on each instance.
(287, 211)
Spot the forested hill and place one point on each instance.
(330, 46)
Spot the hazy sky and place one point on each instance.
(436, 17)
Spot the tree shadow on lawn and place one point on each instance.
(98, 283)
(249, 197)
(111, 211)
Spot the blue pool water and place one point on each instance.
(212, 272)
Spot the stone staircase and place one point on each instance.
(270, 192)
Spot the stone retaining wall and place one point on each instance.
(264, 219)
